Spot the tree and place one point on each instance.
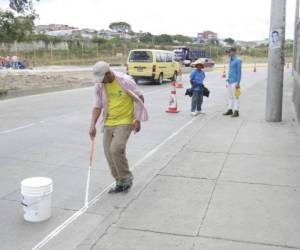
(120, 27)
(14, 28)
(147, 38)
(7, 20)
(182, 39)
(22, 6)
(98, 40)
(164, 38)
(229, 41)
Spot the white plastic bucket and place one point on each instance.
(36, 198)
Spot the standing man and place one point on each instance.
(233, 83)
(121, 103)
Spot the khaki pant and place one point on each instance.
(233, 101)
(114, 143)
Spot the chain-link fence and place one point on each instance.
(115, 52)
(64, 53)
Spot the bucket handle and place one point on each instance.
(33, 203)
(24, 205)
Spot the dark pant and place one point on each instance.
(197, 100)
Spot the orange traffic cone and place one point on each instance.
(173, 100)
(178, 81)
(254, 69)
(224, 72)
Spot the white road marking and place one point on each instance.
(16, 129)
(76, 215)
(59, 116)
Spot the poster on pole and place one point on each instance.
(275, 39)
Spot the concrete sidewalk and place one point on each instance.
(224, 184)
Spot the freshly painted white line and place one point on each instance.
(153, 151)
(16, 129)
(76, 215)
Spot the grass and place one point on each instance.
(3, 92)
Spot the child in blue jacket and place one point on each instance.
(197, 78)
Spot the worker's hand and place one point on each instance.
(136, 126)
(93, 132)
(237, 86)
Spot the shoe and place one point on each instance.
(119, 188)
(116, 189)
(126, 187)
(228, 112)
(235, 114)
(193, 113)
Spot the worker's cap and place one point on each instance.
(232, 49)
(99, 70)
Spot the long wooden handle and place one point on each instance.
(91, 156)
(91, 152)
(86, 198)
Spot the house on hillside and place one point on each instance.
(110, 34)
(206, 36)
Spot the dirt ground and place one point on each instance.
(22, 83)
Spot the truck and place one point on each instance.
(187, 55)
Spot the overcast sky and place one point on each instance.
(239, 19)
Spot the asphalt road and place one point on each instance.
(47, 135)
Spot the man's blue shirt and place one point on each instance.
(235, 70)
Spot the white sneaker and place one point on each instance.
(193, 113)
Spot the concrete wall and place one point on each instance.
(30, 46)
(296, 72)
(296, 94)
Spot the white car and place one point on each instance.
(208, 62)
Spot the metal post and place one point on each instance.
(16, 48)
(34, 54)
(97, 51)
(51, 52)
(68, 52)
(276, 62)
(295, 36)
(82, 51)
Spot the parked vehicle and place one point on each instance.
(2, 62)
(12, 63)
(187, 55)
(154, 65)
(18, 65)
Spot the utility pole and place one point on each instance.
(295, 36)
(276, 61)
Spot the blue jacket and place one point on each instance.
(235, 70)
(197, 78)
